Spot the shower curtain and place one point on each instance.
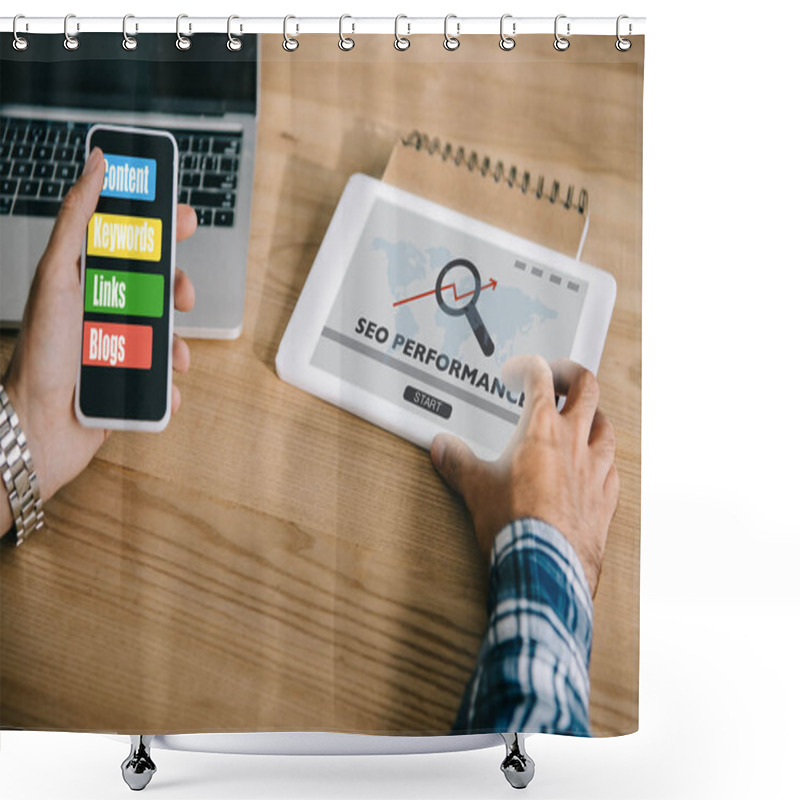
(385, 238)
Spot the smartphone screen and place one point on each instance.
(128, 264)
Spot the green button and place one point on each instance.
(137, 294)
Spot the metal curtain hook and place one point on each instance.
(401, 42)
(20, 42)
(182, 42)
(70, 42)
(233, 44)
(290, 43)
(623, 45)
(345, 42)
(129, 42)
(507, 42)
(560, 42)
(451, 42)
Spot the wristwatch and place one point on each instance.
(19, 476)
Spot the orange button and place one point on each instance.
(107, 344)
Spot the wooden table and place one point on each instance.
(271, 562)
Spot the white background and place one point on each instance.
(720, 600)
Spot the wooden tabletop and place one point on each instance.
(271, 562)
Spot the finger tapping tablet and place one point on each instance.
(411, 309)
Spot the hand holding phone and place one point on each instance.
(40, 378)
(127, 281)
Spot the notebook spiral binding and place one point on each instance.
(498, 171)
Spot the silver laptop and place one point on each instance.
(206, 96)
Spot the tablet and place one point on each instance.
(410, 310)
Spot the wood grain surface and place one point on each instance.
(271, 562)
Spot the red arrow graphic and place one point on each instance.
(491, 285)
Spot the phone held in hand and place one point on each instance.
(127, 273)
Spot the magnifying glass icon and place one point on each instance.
(468, 310)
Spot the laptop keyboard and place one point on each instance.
(40, 160)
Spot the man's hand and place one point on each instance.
(558, 467)
(40, 379)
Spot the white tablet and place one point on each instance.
(410, 310)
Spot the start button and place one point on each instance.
(427, 401)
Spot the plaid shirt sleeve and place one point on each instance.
(532, 673)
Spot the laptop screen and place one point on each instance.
(156, 76)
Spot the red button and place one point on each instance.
(107, 344)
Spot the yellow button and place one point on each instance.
(117, 236)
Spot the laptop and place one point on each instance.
(207, 97)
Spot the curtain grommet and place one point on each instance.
(20, 42)
(560, 43)
(401, 43)
(182, 42)
(129, 42)
(233, 44)
(507, 42)
(290, 43)
(451, 43)
(623, 45)
(71, 43)
(346, 43)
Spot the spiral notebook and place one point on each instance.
(517, 196)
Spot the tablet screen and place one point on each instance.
(427, 314)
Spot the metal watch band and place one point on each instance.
(18, 474)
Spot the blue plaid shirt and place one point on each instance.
(532, 673)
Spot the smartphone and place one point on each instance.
(127, 274)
